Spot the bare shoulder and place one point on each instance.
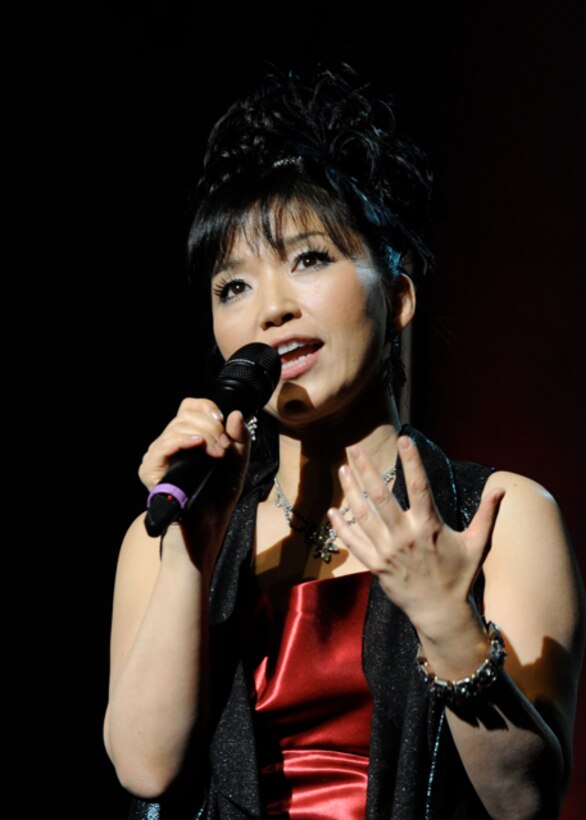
(532, 554)
(520, 488)
(529, 525)
(530, 532)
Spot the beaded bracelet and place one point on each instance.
(456, 691)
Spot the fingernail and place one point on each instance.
(196, 438)
(215, 414)
(405, 443)
(344, 472)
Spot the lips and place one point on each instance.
(298, 355)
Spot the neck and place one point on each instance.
(310, 458)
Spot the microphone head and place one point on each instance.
(247, 380)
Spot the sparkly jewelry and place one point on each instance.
(322, 536)
(457, 691)
(252, 426)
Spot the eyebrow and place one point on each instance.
(289, 243)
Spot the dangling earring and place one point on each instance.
(386, 369)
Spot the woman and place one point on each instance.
(264, 655)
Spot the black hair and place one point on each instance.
(321, 146)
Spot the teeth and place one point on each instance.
(287, 348)
(296, 361)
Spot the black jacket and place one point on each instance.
(414, 770)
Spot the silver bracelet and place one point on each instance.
(457, 691)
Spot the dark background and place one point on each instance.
(112, 106)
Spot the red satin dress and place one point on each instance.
(312, 704)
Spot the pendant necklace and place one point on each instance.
(321, 536)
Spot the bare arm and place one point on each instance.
(533, 590)
(158, 651)
(514, 742)
(158, 679)
(517, 748)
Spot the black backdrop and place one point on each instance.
(111, 107)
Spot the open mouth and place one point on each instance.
(297, 351)
(297, 356)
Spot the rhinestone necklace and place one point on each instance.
(322, 536)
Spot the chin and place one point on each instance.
(298, 407)
(293, 403)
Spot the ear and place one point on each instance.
(401, 302)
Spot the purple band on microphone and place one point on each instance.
(169, 489)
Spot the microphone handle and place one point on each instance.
(184, 480)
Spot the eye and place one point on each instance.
(312, 259)
(228, 289)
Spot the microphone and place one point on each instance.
(246, 383)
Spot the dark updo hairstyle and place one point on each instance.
(322, 146)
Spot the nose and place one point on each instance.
(278, 302)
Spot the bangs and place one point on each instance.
(261, 220)
(268, 224)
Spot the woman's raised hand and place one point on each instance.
(426, 568)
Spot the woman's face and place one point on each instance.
(326, 315)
